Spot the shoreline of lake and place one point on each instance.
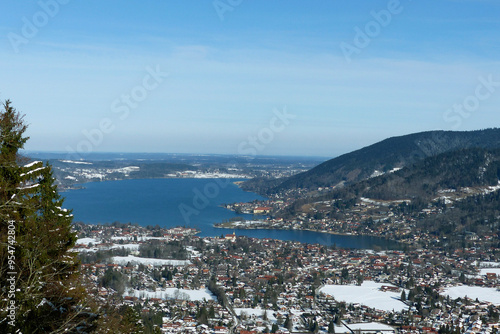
(171, 202)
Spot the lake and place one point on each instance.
(186, 202)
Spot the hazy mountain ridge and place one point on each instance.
(384, 156)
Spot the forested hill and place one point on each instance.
(431, 177)
(382, 157)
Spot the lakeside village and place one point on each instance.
(379, 218)
(181, 283)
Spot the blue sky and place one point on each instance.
(349, 73)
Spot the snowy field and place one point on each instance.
(483, 294)
(367, 326)
(484, 271)
(172, 293)
(123, 260)
(84, 250)
(258, 312)
(370, 326)
(368, 294)
(86, 241)
(132, 247)
(489, 264)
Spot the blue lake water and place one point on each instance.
(186, 202)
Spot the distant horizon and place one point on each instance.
(181, 153)
(313, 157)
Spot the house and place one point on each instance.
(231, 236)
(262, 210)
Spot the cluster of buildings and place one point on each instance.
(234, 284)
(387, 219)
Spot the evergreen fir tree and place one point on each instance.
(202, 315)
(288, 323)
(331, 327)
(211, 312)
(35, 235)
(131, 322)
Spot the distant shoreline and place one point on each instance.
(235, 227)
(80, 185)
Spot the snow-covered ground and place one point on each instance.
(128, 170)
(76, 162)
(129, 238)
(368, 294)
(247, 222)
(94, 242)
(219, 176)
(32, 164)
(257, 312)
(207, 175)
(123, 260)
(192, 251)
(367, 326)
(485, 271)
(489, 264)
(491, 189)
(370, 326)
(84, 250)
(172, 293)
(383, 203)
(491, 295)
(138, 238)
(133, 247)
(376, 173)
(86, 241)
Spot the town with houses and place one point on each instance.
(387, 219)
(182, 283)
